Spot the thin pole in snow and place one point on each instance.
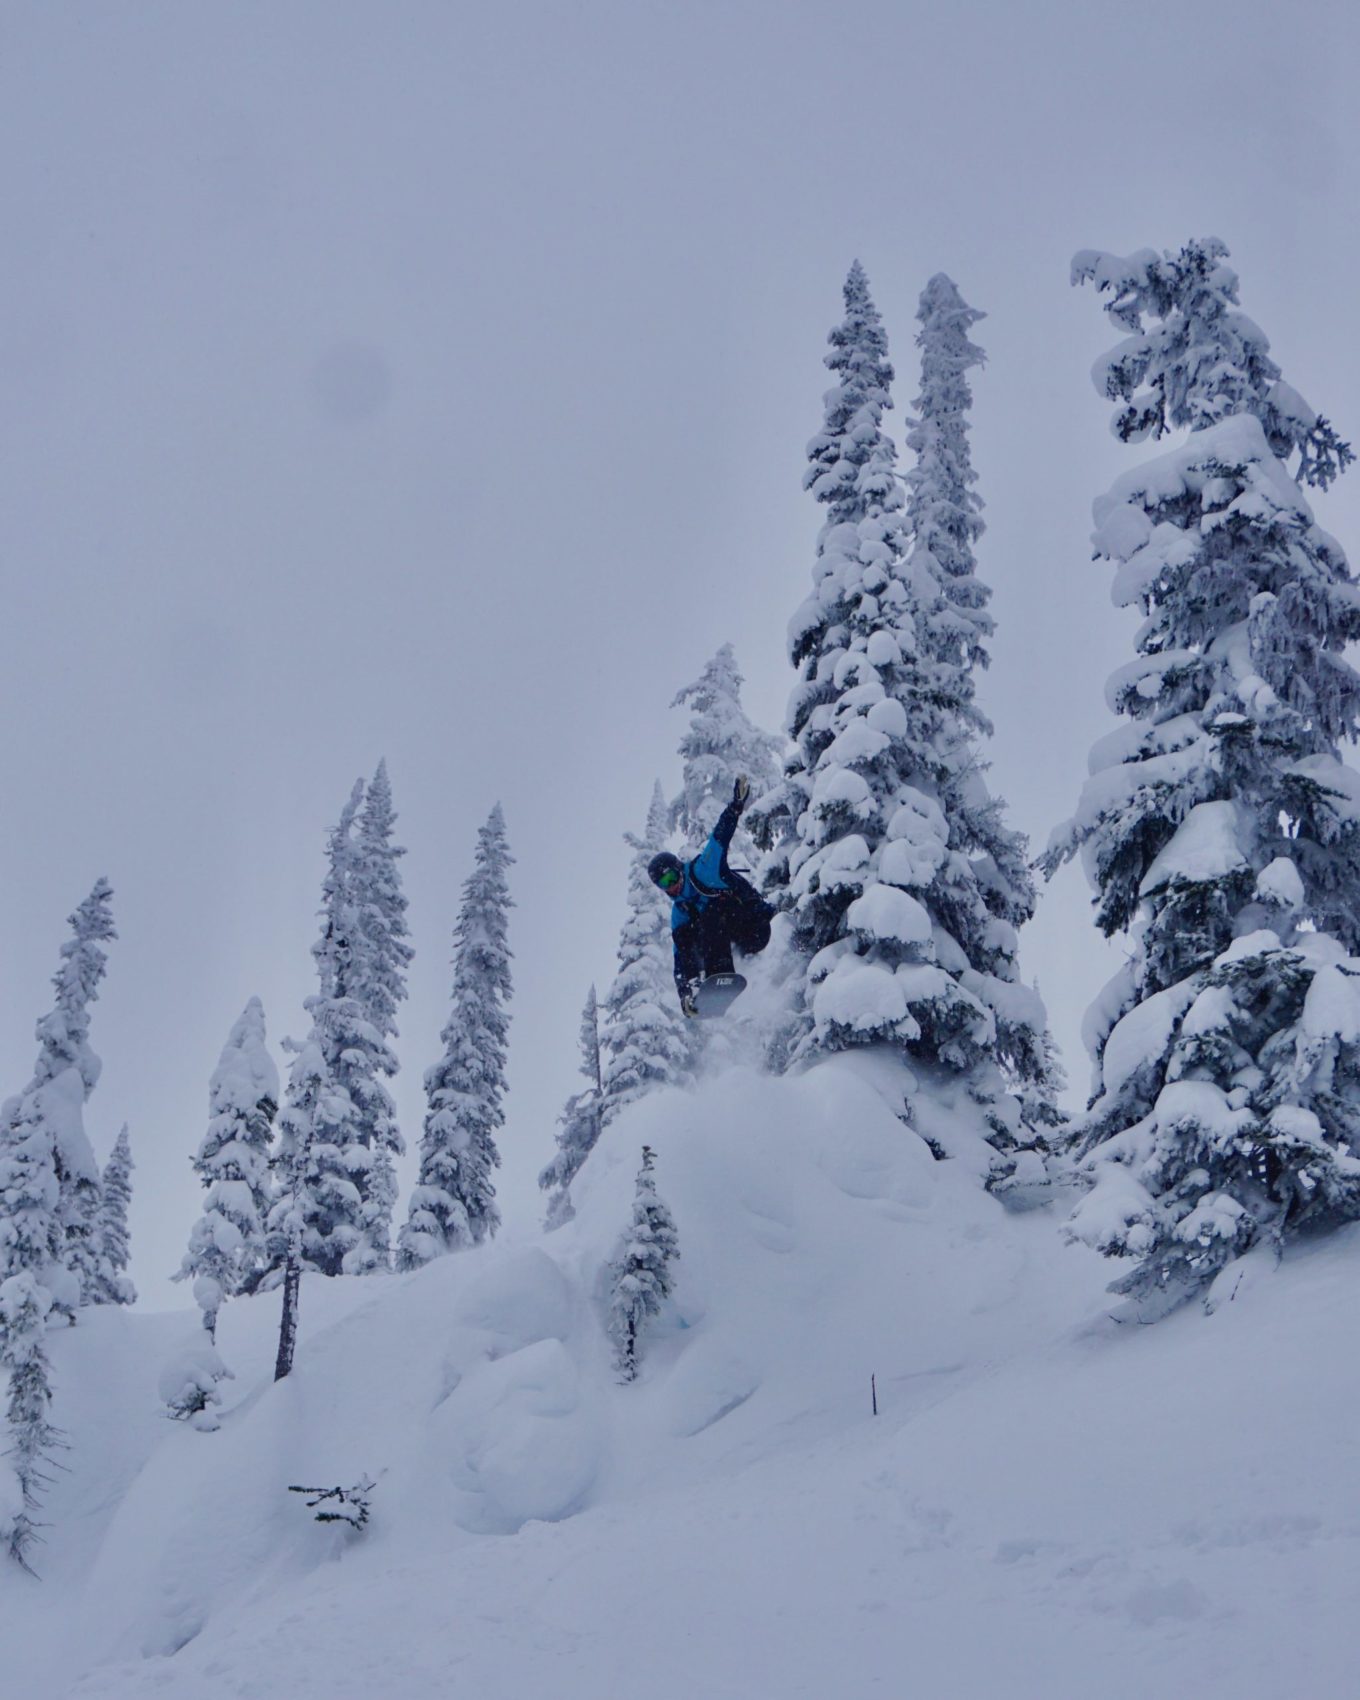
(873, 1392)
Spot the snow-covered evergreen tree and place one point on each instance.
(115, 1285)
(720, 745)
(944, 511)
(32, 1245)
(228, 1249)
(49, 1180)
(1219, 825)
(380, 974)
(336, 1105)
(454, 1202)
(580, 1123)
(24, 1306)
(643, 1034)
(189, 1385)
(378, 981)
(903, 885)
(943, 520)
(49, 1210)
(31, 1236)
(640, 1278)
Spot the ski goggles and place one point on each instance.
(669, 879)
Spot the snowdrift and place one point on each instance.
(1047, 1504)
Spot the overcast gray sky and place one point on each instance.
(432, 380)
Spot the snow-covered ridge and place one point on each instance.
(740, 1506)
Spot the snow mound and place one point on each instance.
(520, 1440)
(519, 1301)
(1027, 1466)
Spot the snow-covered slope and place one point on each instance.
(1047, 1504)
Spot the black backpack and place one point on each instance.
(738, 888)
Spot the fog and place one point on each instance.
(432, 381)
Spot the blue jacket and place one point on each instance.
(709, 887)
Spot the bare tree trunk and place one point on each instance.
(292, 1282)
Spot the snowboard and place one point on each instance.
(716, 994)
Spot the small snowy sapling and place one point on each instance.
(188, 1385)
(340, 1505)
(640, 1273)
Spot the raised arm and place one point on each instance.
(708, 864)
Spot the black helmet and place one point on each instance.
(665, 863)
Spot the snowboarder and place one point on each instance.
(713, 909)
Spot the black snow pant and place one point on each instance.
(704, 943)
(732, 926)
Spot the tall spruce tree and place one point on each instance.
(115, 1285)
(454, 1202)
(228, 1246)
(1219, 825)
(336, 1106)
(943, 519)
(378, 980)
(314, 1207)
(719, 745)
(580, 1123)
(49, 1203)
(903, 886)
(51, 1226)
(943, 510)
(31, 1245)
(643, 1035)
(640, 1274)
(380, 973)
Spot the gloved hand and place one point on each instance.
(687, 1003)
(741, 791)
